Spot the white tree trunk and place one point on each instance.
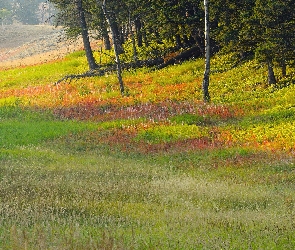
(115, 41)
(205, 86)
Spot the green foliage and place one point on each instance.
(261, 27)
(9, 102)
(152, 51)
(170, 133)
(225, 61)
(264, 51)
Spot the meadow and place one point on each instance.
(82, 167)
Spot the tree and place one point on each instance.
(178, 21)
(205, 86)
(84, 31)
(109, 15)
(72, 16)
(233, 24)
(99, 24)
(274, 30)
(263, 28)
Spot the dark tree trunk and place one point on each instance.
(138, 31)
(105, 34)
(205, 86)
(198, 36)
(186, 41)
(135, 56)
(122, 33)
(178, 41)
(144, 36)
(116, 35)
(183, 56)
(107, 42)
(114, 32)
(271, 74)
(88, 51)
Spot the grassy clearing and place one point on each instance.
(83, 168)
(21, 127)
(100, 200)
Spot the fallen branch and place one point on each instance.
(158, 62)
(185, 55)
(111, 68)
(90, 73)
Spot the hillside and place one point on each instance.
(82, 167)
(33, 44)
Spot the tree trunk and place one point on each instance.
(198, 36)
(116, 34)
(178, 41)
(116, 47)
(105, 33)
(183, 56)
(138, 31)
(107, 42)
(186, 41)
(271, 74)
(91, 61)
(205, 86)
(144, 36)
(135, 57)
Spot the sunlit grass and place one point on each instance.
(82, 167)
(41, 74)
(52, 198)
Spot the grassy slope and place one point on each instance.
(83, 168)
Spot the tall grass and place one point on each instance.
(58, 199)
(83, 168)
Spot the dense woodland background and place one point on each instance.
(263, 29)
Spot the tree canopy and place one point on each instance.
(263, 29)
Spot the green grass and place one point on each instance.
(44, 73)
(161, 171)
(53, 199)
(21, 127)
